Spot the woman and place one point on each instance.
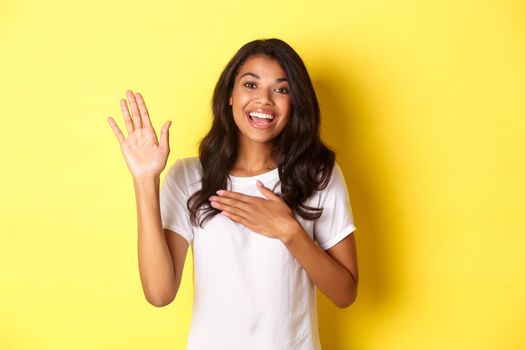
(263, 190)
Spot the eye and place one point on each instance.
(284, 90)
(249, 83)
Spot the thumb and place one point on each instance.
(164, 135)
(266, 191)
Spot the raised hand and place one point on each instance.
(144, 155)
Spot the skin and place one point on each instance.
(264, 91)
(162, 252)
(145, 156)
(334, 271)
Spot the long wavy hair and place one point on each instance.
(305, 163)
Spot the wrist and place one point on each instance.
(146, 180)
(292, 230)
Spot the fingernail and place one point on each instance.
(220, 192)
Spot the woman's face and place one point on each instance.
(260, 100)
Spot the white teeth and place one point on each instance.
(261, 115)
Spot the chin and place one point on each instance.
(260, 138)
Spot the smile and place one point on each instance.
(260, 121)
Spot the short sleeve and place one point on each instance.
(336, 222)
(173, 195)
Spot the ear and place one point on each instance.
(230, 100)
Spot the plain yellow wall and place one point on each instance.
(424, 102)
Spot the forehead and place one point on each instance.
(263, 66)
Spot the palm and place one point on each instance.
(144, 155)
(142, 152)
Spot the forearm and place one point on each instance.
(332, 278)
(155, 263)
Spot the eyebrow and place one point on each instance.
(258, 77)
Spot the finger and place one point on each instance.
(229, 208)
(266, 191)
(144, 115)
(165, 136)
(235, 218)
(238, 196)
(127, 118)
(234, 203)
(135, 114)
(116, 130)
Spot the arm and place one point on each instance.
(161, 254)
(333, 271)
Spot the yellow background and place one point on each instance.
(424, 102)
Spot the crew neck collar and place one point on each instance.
(274, 173)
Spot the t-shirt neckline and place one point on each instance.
(252, 179)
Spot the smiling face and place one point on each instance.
(260, 100)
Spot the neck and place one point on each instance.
(254, 157)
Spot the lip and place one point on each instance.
(261, 110)
(260, 126)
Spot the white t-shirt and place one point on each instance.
(250, 293)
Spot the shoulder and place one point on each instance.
(335, 176)
(336, 182)
(185, 170)
(190, 163)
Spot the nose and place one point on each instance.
(265, 96)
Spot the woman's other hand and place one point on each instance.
(269, 216)
(144, 155)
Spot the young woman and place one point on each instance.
(263, 190)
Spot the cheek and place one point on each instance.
(289, 114)
(288, 108)
(237, 102)
(238, 112)
(239, 94)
